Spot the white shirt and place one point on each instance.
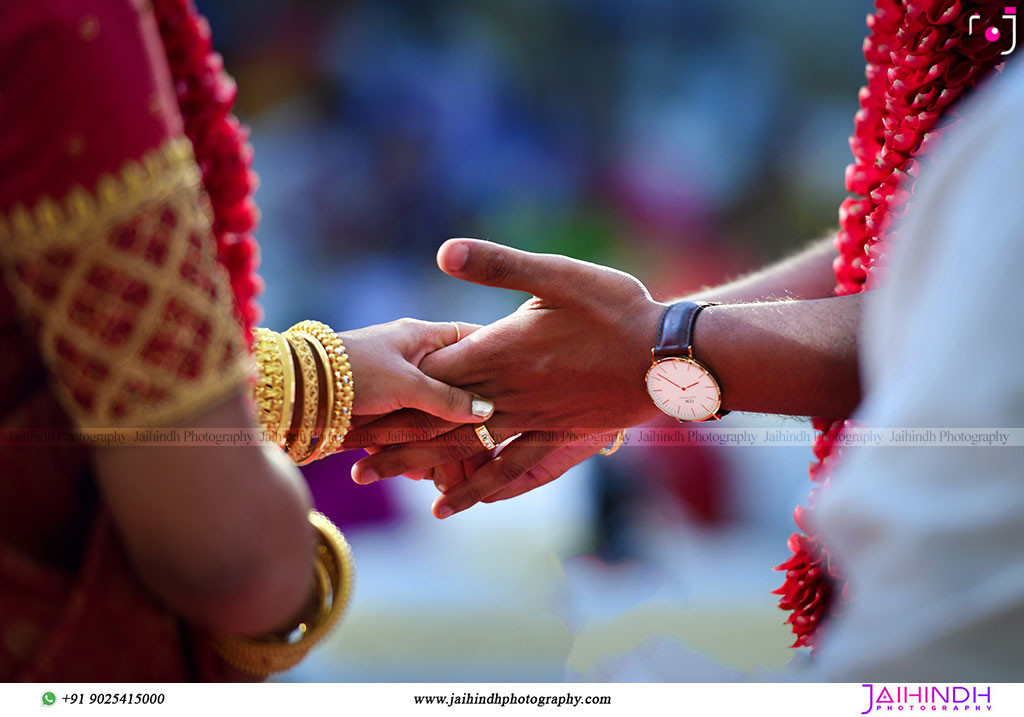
(932, 538)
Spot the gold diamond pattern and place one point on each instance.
(131, 308)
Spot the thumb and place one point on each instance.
(490, 264)
(448, 402)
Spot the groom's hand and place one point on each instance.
(462, 483)
(572, 357)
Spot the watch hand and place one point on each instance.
(692, 385)
(672, 382)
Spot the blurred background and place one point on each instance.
(683, 142)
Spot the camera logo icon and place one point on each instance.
(993, 33)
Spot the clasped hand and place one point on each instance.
(565, 367)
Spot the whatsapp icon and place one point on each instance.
(49, 698)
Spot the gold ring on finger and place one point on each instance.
(614, 445)
(486, 439)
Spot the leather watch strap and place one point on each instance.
(675, 332)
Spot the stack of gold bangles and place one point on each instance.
(333, 577)
(305, 389)
(303, 396)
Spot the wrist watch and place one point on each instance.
(680, 385)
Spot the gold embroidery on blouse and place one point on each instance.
(132, 310)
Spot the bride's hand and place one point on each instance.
(385, 366)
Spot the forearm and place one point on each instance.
(789, 357)
(805, 275)
(782, 342)
(219, 533)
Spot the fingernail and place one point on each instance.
(483, 407)
(444, 511)
(456, 256)
(367, 476)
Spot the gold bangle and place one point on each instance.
(336, 555)
(325, 400)
(342, 382)
(300, 436)
(269, 389)
(274, 392)
(288, 369)
(334, 572)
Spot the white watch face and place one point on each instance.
(683, 389)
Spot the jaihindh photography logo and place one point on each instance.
(927, 698)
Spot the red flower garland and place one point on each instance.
(206, 95)
(920, 62)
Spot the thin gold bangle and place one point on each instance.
(336, 554)
(298, 445)
(288, 399)
(325, 403)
